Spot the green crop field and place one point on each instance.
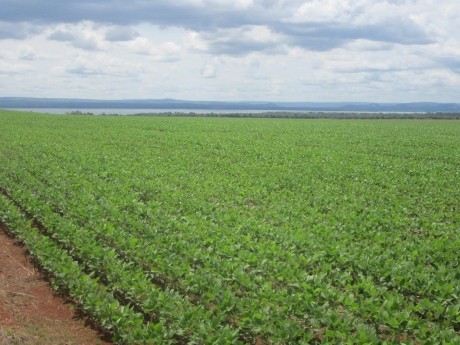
(234, 231)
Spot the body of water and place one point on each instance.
(58, 111)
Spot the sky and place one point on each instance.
(232, 50)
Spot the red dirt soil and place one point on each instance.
(30, 313)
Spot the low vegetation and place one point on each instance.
(234, 231)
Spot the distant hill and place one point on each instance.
(26, 102)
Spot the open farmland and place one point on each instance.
(258, 231)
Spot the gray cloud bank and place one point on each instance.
(222, 26)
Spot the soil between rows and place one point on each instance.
(30, 313)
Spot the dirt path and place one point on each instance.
(30, 313)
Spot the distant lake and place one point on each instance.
(58, 111)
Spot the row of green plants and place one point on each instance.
(126, 325)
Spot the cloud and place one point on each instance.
(208, 71)
(7, 68)
(99, 65)
(326, 36)
(326, 11)
(120, 34)
(82, 36)
(190, 14)
(254, 69)
(18, 31)
(165, 52)
(83, 70)
(64, 36)
(397, 30)
(27, 53)
(451, 63)
(84, 66)
(238, 41)
(234, 27)
(323, 36)
(140, 45)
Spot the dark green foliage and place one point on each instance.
(311, 115)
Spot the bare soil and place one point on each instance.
(30, 313)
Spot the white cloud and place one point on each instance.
(14, 68)
(195, 42)
(326, 11)
(99, 64)
(83, 35)
(239, 4)
(27, 53)
(237, 41)
(165, 52)
(140, 45)
(208, 71)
